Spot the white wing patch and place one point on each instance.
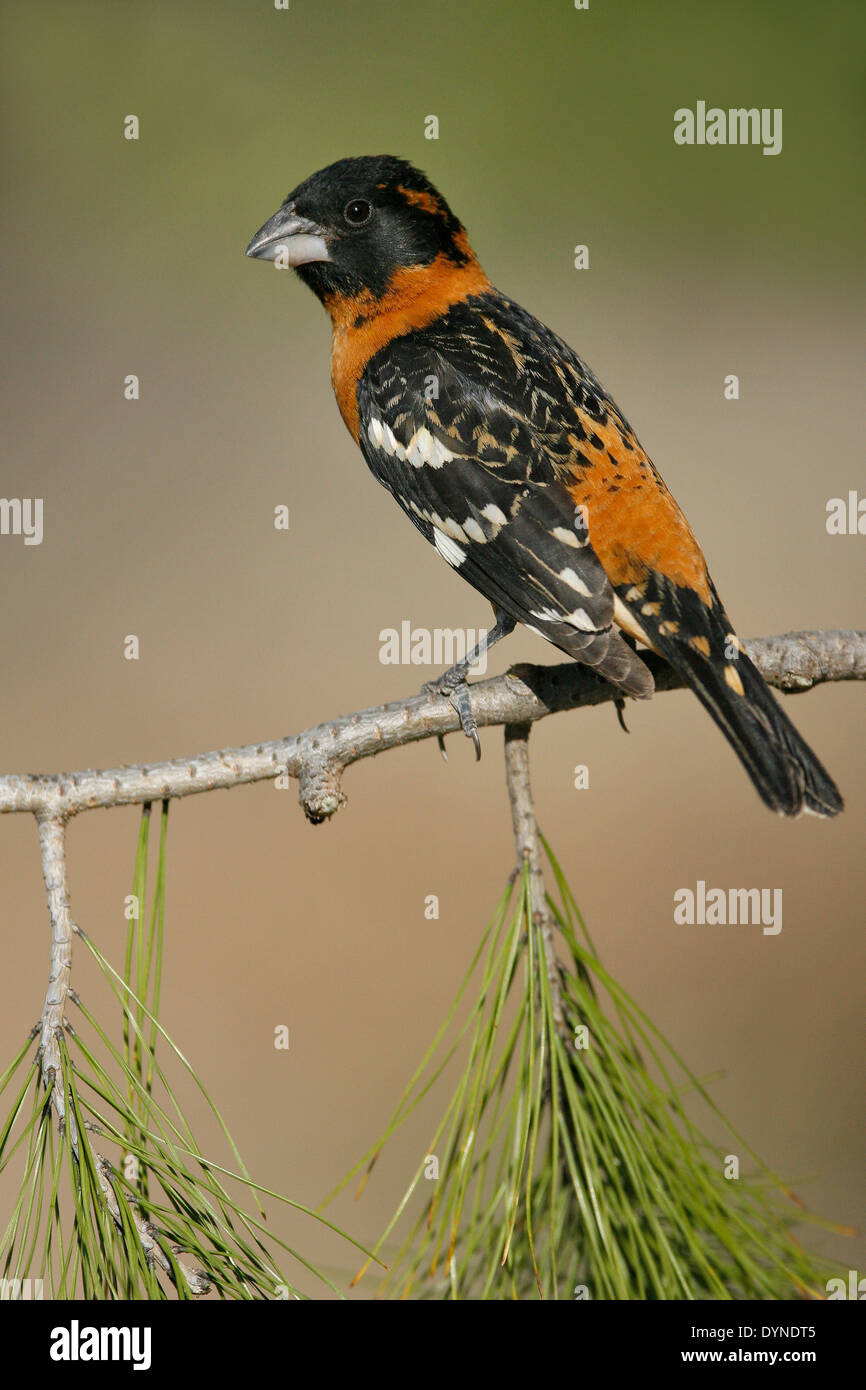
(561, 533)
(574, 581)
(423, 450)
(624, 619)
(448, 549)
(546, 615)
(579, 618)
(381, 436)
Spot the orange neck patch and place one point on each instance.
(415, 296)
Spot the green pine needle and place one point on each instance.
(119, 1201)
(566, 1164)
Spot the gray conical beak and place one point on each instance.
(296, 240)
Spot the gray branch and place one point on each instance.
(317, 758)
(529, 852)
(52, 838)
(52, 841)
(148, 1234)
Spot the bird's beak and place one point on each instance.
(295, 239)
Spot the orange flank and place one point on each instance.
(415, 296)
(635, 525)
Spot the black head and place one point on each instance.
(349, 227)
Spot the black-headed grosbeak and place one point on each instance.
(506, 452)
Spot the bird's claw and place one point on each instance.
(620, 714)
(458, 698)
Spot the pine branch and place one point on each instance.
(792, 662)
(318, 757)
(529, 852)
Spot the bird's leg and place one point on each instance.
(453, 681)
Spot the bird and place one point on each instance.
(506, 452)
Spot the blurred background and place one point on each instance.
(555, 129)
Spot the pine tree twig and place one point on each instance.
(52, 838)
(196, 1280)
(317, 758)
(529, 850)
(52, 841)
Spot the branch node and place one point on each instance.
(320, 791)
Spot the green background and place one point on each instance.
(556, 129)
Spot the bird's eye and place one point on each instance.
(357, 212)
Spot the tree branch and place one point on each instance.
(52, 839)
(52, 842)
(316, 758)
(148, 1234)
(529, 852)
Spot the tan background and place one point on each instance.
(556, 128)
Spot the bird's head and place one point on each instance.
(352, 228)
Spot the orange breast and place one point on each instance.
(364, 323)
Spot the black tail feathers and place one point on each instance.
(782, 766)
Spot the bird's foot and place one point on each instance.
(457, 693)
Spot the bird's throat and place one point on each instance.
(414, 297)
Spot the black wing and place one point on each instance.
(461, 429)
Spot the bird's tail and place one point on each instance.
(782, 766)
